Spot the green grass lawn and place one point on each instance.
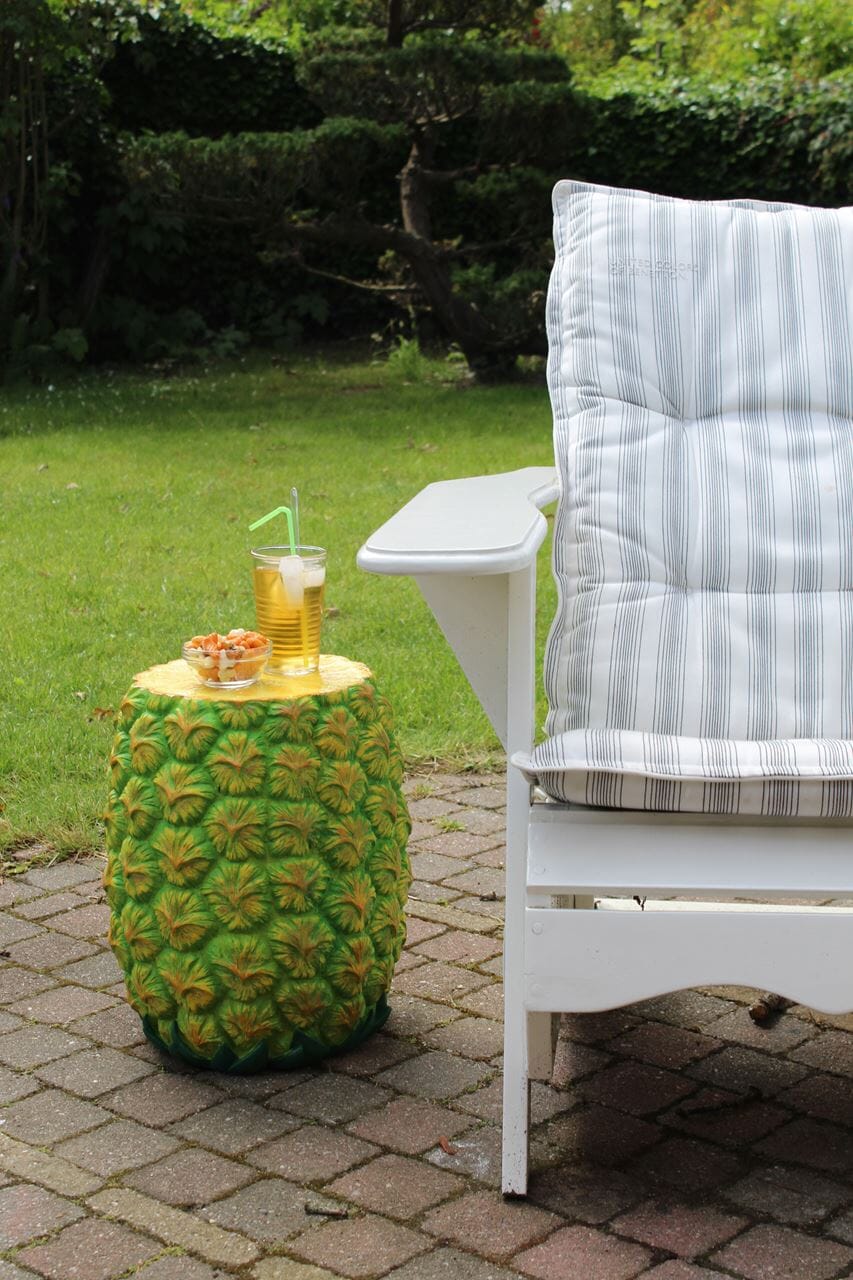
(126, 504)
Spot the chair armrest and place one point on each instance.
(479, 525)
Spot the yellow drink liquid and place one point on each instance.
(294, 631)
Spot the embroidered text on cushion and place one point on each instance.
(701, 376)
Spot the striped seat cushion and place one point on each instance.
(701, 377)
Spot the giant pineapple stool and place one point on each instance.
(256, 863)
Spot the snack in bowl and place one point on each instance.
(235, 660)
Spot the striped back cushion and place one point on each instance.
(701, 375)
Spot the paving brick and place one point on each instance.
(98, 970)
(311, 1154)
(27, 1212)
(94, 1071)
(396, 1186)
(254, 1087)
(376, 1054)
(480, 882)
(491, 1226)
(160, 1099)
(482, 822)
(269, 1211)
(451, 1264)
(689, 1165)
(691, 1009)
(14, 930)
(480, 797)
(590, 1028)
(331, 1098)
(487, 1102)
(796, 1197)
(434, 866)
(437, 981)
(177, 1268)
(90, 1250)
(46, 905)
(453, 917)
(664, 1045)
(488, 1002)
(17, 890)
(49, 1171)
(116, 1147)
(810, 1142)
(234, 1126)
(64, 875)
(685, 1230)
(359, 1247)
(426, 891)
(777, 1037)
(408, 960)
(435, 1075)
(676, 1269)
(90, 921)
(62, 1005)
(412, 1017)
(477, 1154)
(842, 1227)
(190, 1177)
(50, 1116)
(828, 1097)
(418, 931)
(744, 1070)
(9, 1021)
(287, 1269)
(599, 1135)
(458, 946)
(15, 983)
(8, 1271)
(830, 1051)
(635, 1087)
(13, 1086)
(478, 1038)
(409, 1125)
(576, 1253)
(422, 808)
(120, 1027)
(573, 1061)
(729, 1118)
(783, 1254)
(50, 951)
(460, 846)
(591, 1195)
(176, 1227)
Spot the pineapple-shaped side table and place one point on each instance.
(256, 868)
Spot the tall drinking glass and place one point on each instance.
(289, 605)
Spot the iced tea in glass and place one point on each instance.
(289, 605)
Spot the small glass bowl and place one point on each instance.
(237, 673)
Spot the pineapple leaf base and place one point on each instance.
(256, 864)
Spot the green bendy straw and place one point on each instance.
(278, 512)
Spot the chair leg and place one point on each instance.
(516, 1116)
(542, 1031)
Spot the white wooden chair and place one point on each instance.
(699, 670)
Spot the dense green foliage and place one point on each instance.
(369, 166)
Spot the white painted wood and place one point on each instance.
(582, 961)
(483, 524)
(472, 546)
(473, 613)
(595, 851)
(517, 1030)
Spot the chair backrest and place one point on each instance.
(701, 376)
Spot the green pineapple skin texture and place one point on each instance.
(257, 872)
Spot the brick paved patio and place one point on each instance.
(678, 1142)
